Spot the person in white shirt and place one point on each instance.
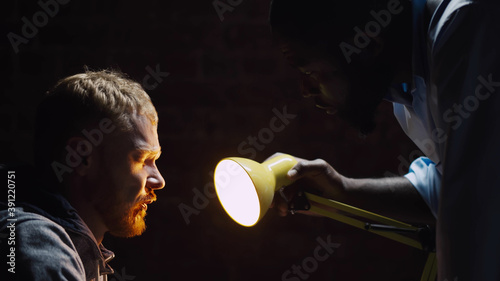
(437, 62)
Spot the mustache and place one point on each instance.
(149, 197)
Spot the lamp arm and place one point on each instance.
(390, 226)
(361, 225)
(359, 212)
(388, 229)
(381, 227)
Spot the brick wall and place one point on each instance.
(224, 80)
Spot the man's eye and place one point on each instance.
(148, 161)
(139, 159)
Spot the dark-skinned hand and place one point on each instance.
(313, 176)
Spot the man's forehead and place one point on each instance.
(144, 135)
(293, 55)
(299, 56)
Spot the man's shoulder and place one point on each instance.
(33, 225)
(23, 217)
(43, 242)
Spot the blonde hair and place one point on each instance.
(110, 94)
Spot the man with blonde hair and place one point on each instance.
(96, 144)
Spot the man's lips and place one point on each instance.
(330, 109)
(144, 205)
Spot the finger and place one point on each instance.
(308, 169)
(282, 198)
(280, 205)
(283, 211)
(284, 195)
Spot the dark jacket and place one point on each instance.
(42, 234)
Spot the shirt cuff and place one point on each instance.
(427, 180)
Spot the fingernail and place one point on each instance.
(292, 173)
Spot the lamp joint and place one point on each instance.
(298, 202)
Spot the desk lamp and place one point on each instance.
(246, 189)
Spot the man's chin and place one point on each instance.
(360, 121)
(131, 231)
(131, 226)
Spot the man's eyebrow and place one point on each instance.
(293, 59)
(145, 150)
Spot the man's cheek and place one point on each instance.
(136, 188)
(331, 94)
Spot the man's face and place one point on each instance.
(350, 96)
(319, 79)
(125, 177)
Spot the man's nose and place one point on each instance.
(309, 87)
(155, 180)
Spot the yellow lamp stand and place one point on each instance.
(246, 190)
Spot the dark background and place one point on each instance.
(225, 78)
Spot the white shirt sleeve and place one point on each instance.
(427, 180)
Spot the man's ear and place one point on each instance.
(80, 152)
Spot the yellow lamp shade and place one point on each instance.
(246, 188)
